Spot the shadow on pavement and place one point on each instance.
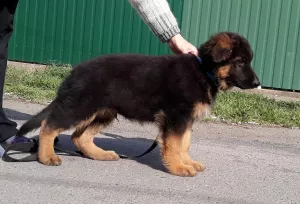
(16, 115)
(122, 145)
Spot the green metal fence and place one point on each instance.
(70, 31)
(271, 26)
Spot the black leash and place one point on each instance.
(154, 144)
(32, 148)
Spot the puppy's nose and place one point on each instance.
(256, 82)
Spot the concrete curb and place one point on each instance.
(27, 66)
(274, 94)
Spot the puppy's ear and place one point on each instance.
(222, 49)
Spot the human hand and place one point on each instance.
(180, 46)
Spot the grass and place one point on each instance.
(241, 107)
(38, 86)
(235, 107)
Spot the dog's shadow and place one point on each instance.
(118, 143)
(122, 145)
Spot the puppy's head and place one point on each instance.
(229, 55)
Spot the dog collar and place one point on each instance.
(210, 75)
(200, 60)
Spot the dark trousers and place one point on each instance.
(7, 11)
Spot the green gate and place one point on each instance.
(271, 26)
(70, 31)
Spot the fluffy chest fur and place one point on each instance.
(201, 110)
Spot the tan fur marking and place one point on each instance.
(46, 154)
(201, 110)
(85, 123)
(84, 141)
(209, 95)
(104, 113)
(185, 157)
(160, 118)
(222, 74)
(160, 141)
(107, 113)
(171, 157)
(224, 41)
(223, 85)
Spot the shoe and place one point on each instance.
(12, 140)
(1, 151)
(17, 139)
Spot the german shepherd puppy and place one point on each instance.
(171, 91)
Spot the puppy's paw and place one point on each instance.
(198, 166)
(51, 161)
(111, 156)
(186, 159)
(184, 170)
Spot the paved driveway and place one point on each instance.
(244, 164)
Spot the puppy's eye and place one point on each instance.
(241, 63)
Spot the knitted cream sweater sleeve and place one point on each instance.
(158, 16)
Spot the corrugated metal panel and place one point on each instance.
(271, 26)
(70, 31)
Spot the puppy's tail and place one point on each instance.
(35, 121)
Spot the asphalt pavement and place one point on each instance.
(244, 164)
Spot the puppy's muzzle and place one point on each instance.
(256, 82)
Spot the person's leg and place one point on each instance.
(8, 128)
(7, 10)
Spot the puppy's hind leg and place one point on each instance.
(83, 138)
(46, 154)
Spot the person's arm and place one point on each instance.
(160, 19)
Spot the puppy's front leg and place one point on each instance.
(185, 157)
(171, 149)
